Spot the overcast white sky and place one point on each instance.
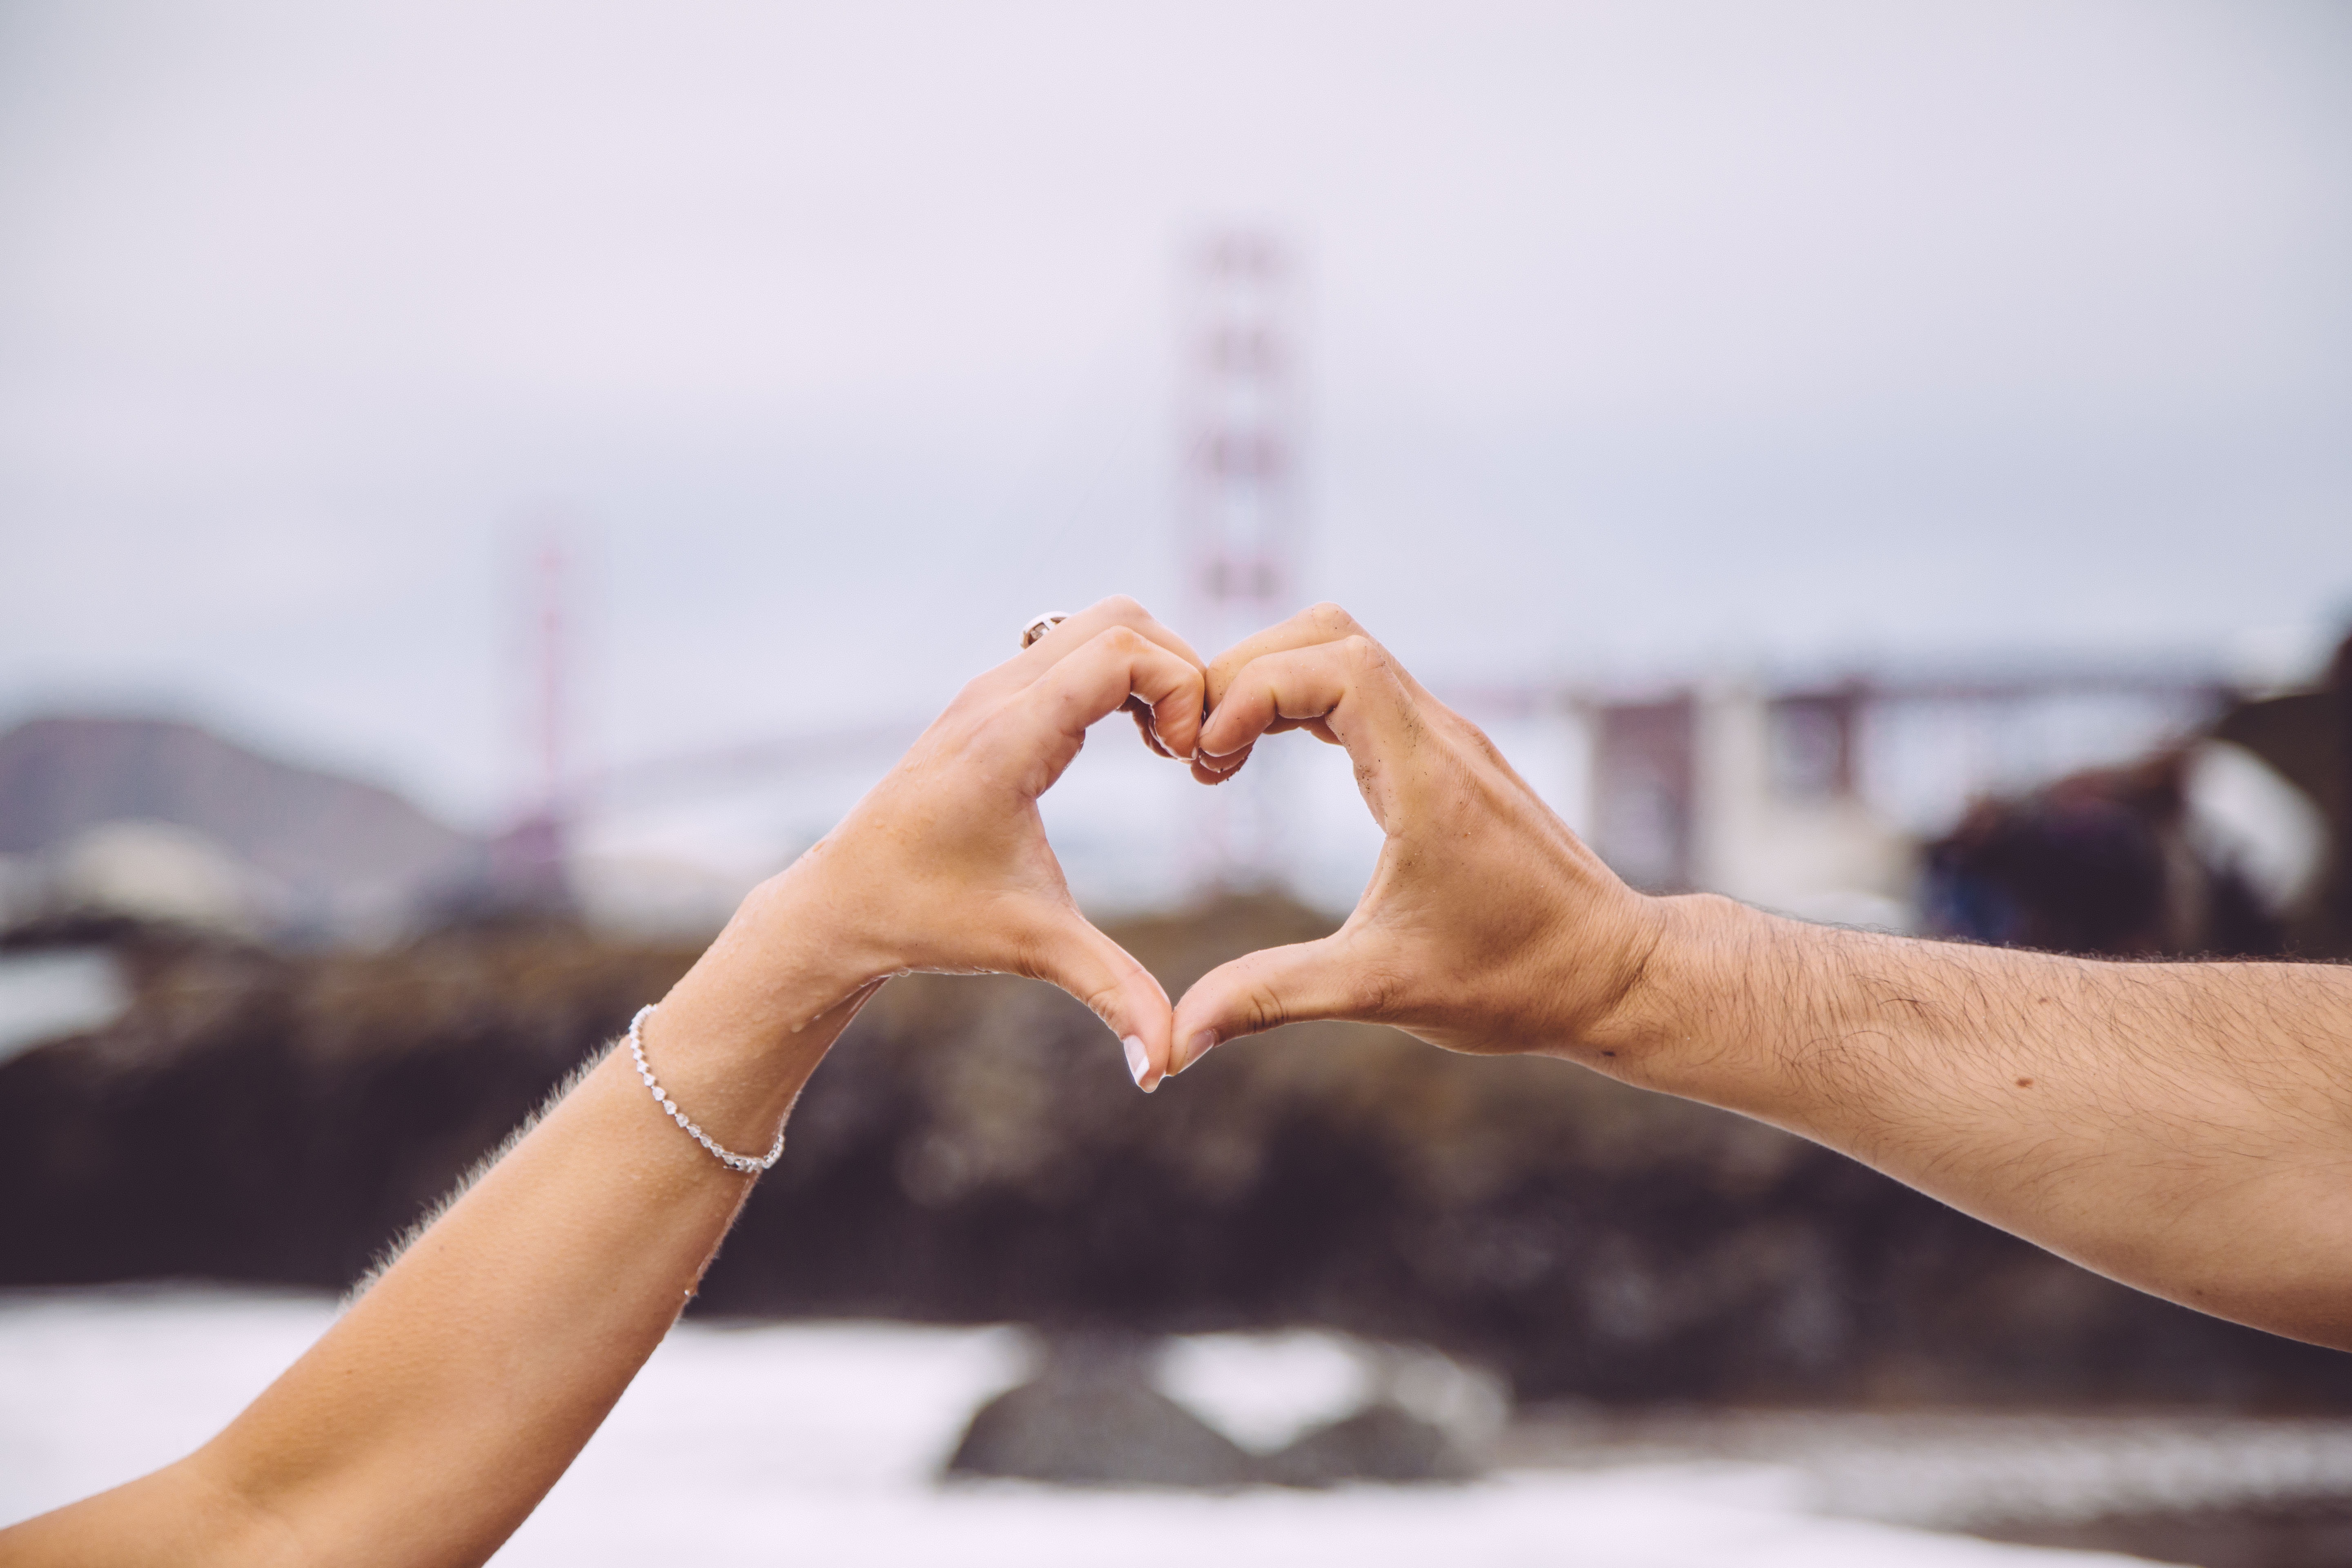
(1642, 337)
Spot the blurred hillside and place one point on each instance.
(168, 818)
(974, 1151)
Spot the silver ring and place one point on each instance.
(1040, 625)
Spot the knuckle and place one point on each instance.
(1123, 640)
(1330, 619)
(981, 690)
(1123, 608)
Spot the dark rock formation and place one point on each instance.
(1092, 1418)
(1383, 1442)
(278, 1119)
(973, 1152)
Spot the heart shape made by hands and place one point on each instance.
(1487, 925)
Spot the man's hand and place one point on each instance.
(2181, 1127)
(1487, 926)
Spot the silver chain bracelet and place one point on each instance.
(750, 1166)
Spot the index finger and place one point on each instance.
(1311, 628)
(1073, 632)
(1352, 687)
(1076, 631)
(1107, 670)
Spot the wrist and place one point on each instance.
(789, 957)
(1670, 1018)
(826, 910)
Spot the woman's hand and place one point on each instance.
(484, 1357)
(944, 865)
(1487, 925)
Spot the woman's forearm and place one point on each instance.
(2186, 1127)
(430, 1421)
(426, 1426)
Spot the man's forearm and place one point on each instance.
(2185, 1128)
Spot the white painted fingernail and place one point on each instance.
(1139, 1062)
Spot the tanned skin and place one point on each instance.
(2184, 1128)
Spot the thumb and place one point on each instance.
(1260, 991)
(1066, 949)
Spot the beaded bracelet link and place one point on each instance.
(750, 1165)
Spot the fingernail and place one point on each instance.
(1202, 1044)
(1139, 1062)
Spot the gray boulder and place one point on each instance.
(1092, 1418)
(1383, 1442)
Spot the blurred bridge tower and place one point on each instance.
(1240, 509)
(529, 860)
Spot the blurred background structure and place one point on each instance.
(1240, 506)
(480, 487)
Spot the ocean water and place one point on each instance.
(819, 1443)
